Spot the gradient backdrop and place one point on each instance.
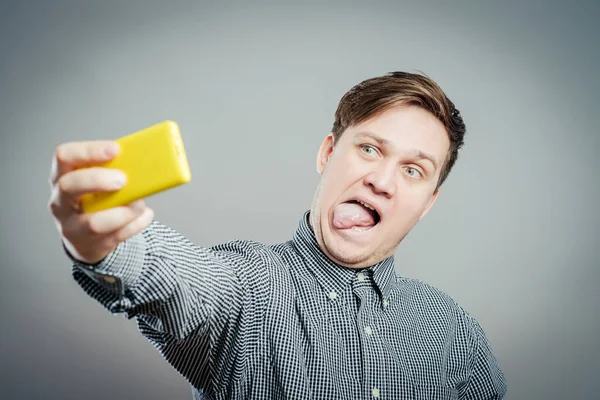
(514, 236)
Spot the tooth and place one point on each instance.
(366, 205)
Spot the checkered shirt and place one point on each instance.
(246, 320)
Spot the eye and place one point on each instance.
(368, 150)
(413, 172)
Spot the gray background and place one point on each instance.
(513, 236)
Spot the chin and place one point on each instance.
(348, 247)
(347, 251)
(357, 249)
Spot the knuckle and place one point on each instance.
(89, 178)
(63, 184)
(118, 237)
(94, 226)
(53, 204)
(53, 207)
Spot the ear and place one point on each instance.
(430, 204)
(324, 153)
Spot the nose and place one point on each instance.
(382, 180)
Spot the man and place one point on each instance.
(322, 315)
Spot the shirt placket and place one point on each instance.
(368, 333)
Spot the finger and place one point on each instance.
(69, 156)
(111, 220)
(65, 195)
(134, 227)
(90, 180)
(95, 247)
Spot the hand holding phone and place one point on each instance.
(92, 210)
(153, 160)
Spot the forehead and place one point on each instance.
(405, 128)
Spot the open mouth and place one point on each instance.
(356, 215)
(368, 208)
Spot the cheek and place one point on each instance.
(409, 207)
(336, 178)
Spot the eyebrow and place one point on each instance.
(416, 153)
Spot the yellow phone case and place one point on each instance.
(153, 159)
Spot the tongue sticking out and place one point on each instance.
(349, 215)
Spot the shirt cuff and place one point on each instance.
(120, 269)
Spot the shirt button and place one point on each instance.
(332, 295)
(375, 392)
(109, 279)
(368, 331)
(386, 303)
(361, 277)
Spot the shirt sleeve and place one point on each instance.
(189, 301)
(487, 381)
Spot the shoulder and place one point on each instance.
(249, 254)
(436, 311)
(432, 302)
(239, 246)
(420, 291)
(440, 316)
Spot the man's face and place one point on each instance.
(392, 163)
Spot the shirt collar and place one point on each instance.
(331, 276)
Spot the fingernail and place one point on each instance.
(119, 179)
(111, 150)
(138, 205)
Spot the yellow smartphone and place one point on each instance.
(153, 159)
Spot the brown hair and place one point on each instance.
(375, 95)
